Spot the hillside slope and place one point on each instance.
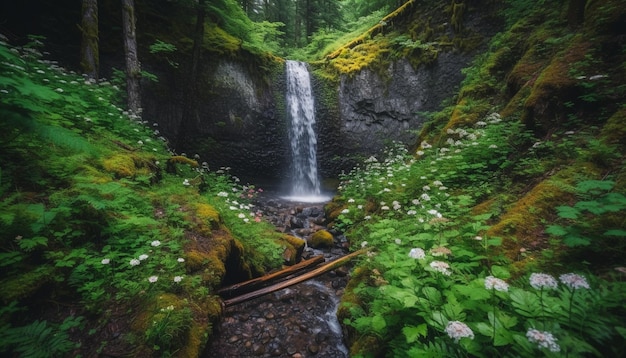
(515, 189)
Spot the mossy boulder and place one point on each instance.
(207, 214)
(293, 250)
(321, 238)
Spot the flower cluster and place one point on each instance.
(493, 283)
(574, 281)
(540, 281)
(417, 253)
(441, 266)
(543, 339)
(457, 330)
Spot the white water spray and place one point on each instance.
(301, 111)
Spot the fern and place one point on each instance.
(35, 340)
(66, 138)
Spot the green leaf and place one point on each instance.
(594, 207)
(378, 323)
(594, 185)
(567, 212)
(29, 244)
(433, 295)
(525, 303)
(412, 333)
(500, 272)
(556, 230)
(10, 258)
(615, 232)
(574, 241)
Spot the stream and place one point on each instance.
(298, 321)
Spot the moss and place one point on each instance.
(179, 159)
(196, 260)
(294, 249)
(467, 112)
(614, 130)
(128, 165)
(456, 20)
(555, 86)
(522, 226)
(24, 285)
(321, 238)
(206, 212)
(122, 165)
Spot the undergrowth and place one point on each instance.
(95, 215)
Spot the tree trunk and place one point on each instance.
(269, 279)
(190, 89)
(89, 56)
(133, 68)
(309, 275)
(576, 13)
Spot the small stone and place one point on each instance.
(270, 315)
(233, 339)
(258, 349)
(313, 348)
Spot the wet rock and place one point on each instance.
(313, 348)
(292, 322)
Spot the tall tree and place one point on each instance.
(89, 56)
(133, 68)
(576, 12)
(190, 89)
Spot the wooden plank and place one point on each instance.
(290, 282)
(266, 280)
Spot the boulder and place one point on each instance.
(321, 238)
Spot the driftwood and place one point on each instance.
(290, 282)
(266, 280)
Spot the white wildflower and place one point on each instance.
(574, 281)
(457, 330)
(543, 339)
(441, 267)
(493, 283)
(541, 280)
(417, 253)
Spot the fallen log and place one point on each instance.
(266, 280)
(290, 282)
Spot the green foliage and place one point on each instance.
(89, 213)
(37, 340)
(168, 327)
(433, 267)
(595, 222)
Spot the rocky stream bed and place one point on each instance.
(298, 321)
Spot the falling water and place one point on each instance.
(305, 184)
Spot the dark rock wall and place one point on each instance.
(375, 110)
(236, 124)
(241, 121)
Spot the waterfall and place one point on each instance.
(305, 184)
